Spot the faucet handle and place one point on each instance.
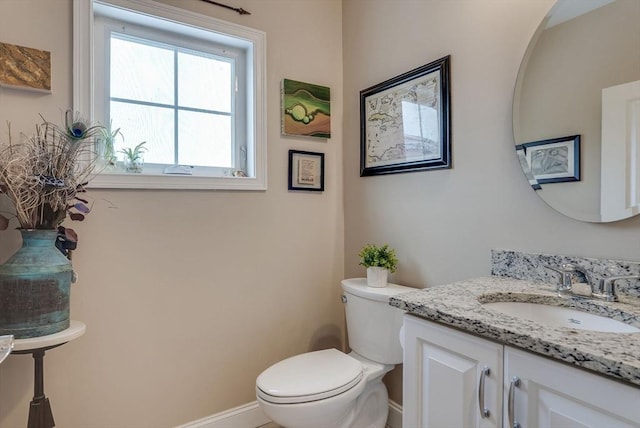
(566, 271)
(553, 268)
(607, 289)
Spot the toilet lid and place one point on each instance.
(309, 377)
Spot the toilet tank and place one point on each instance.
(372, 325)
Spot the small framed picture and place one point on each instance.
(306, 171)
(555, 160)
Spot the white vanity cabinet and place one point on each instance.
(444, 385)
(443, 373)
(555, 395)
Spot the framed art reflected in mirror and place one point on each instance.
(556, 160)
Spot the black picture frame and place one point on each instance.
(306, 171)
(556, 160)
(405, 122)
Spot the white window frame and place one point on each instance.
(255, 42)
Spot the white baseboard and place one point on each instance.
(246, 416)
(250, 416)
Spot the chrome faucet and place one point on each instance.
(566, 272)
(603, 289)
(587, 276)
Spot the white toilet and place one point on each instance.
(328, 388)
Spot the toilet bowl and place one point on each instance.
(321, 388)
(329, 388)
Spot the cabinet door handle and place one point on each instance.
(515, 382)
(484, 412)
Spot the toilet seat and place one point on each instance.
(309, 377)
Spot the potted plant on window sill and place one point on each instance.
(379, 261)
(105, 142)
(133, 158)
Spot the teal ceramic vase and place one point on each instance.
(35, 287)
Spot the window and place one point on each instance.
(179, 101)
(189, 86)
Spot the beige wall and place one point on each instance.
(189, 295)
(444, 223)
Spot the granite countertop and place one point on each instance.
(458, 305)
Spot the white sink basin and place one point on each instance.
(558, 316)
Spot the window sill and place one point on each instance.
(153, 181)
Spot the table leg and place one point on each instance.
(40, 415)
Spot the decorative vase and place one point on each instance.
(377, 276)
(106, 152)
(35, 287)
(134, 165)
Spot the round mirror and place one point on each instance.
(576, 110)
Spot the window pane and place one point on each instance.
(204, 83)
(142, 123)
(141, 72)
(205, 139)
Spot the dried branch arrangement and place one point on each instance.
(44, 174)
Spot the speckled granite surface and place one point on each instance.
(459, 305)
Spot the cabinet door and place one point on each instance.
(442, 375)
(555, 395)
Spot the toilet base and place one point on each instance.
(372, 407)
(366, 405)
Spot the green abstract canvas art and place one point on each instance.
(306, 109)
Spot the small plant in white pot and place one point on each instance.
(379, 261)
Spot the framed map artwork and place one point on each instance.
(405, 122)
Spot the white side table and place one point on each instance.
(40, 415)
